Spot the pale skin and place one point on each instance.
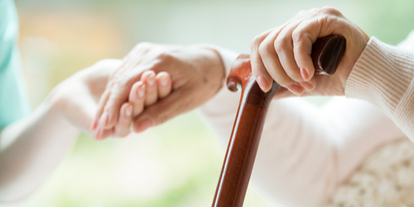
(196, 74)
(155, 83)
(148, 90)
(281, 54)
(32, 147)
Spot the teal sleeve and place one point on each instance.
(14, 103)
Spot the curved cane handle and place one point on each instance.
(245, 137)
(326, 54)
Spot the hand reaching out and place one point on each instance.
(196, 75)
(76, 98)
(283, 54)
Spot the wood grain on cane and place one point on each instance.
(245, 137)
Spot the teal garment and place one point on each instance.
(14, 103)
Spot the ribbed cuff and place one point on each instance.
(381, 76)
(404, 113)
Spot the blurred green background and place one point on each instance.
(176, 164)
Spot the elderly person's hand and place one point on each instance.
(283, 53)
(76, 98)
(197, 73)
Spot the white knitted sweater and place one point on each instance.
(310, 156)
(384, 76)
(386, 179)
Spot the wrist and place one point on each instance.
(352, 61)
(58, 106)
(226, 57)
(212, 66)
(217, 64)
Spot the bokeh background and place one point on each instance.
(178, 163)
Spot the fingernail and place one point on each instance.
(264, 85)
(96, 133)
(128, 111)
(104, 120)
(304, 74)
(143, 125)
(296, 89)
(100, 130)
(306, 85)
(164, 81)
(151, 80)
(141, 91)
(92, 126)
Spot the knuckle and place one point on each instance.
(264, 49)
(295, 75)
(298, 35)
(158, 65)
(255, 42)
(330, 10)
(165, 56)
(300, 54)
(283, 80)
(281, 44)
(162, 60)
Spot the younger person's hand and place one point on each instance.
(76, 99)
(283, 54)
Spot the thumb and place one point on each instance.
(283, 93)
(171, 106)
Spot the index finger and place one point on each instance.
(263, 78)
(119, 90)
(319, 24)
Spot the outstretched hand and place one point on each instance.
(197, 73)
(76, 98)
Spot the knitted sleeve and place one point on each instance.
(383, 76)
(305, 151)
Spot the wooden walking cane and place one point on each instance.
(245, 137)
